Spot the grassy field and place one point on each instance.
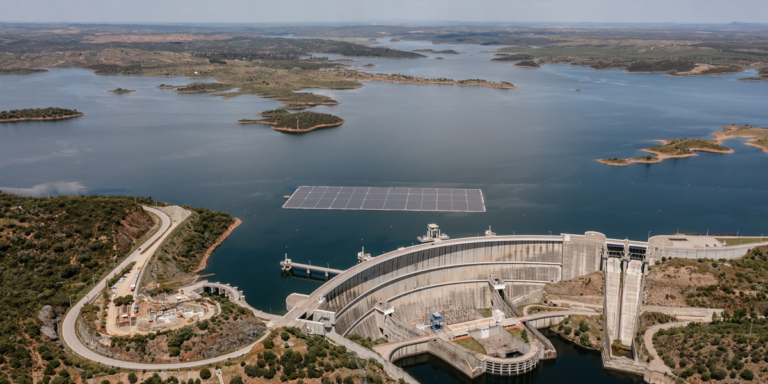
(741, 240)
(471, 344)
(517, 333)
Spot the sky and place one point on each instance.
(299, 11)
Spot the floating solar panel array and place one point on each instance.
(387, 199)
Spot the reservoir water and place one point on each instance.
(530, 150)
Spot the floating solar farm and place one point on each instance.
(387, 199)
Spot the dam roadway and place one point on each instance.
(485, 257)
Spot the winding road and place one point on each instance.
(68, 332)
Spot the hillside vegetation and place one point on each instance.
(51, 248)
(183, 250)
(736, 285)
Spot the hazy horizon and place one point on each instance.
(347, 11)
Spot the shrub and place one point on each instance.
(719, 374)
(285, 336)
(747, 375)
(269, 344)
(236, 380)
(132, 378)
(567, 330)
(205, 374)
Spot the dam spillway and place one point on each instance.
(391, 296)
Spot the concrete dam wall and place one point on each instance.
(452, 276)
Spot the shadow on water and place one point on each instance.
(315, 276)
(573, 365)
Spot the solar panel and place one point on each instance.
(387, 199)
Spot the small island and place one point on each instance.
(394, 40)
(274, 113)
(444, 52)
(439, 58)
(40, 114)
(680, 148)
(512, 57)
(527, 64)
(297, 122)
(121, 91)
(21, 71)
(203, 87)
(167, 86)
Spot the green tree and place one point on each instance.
(236, 380)
(205, 374)
(132, 378)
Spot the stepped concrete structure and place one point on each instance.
(392, 296)
(630, 301)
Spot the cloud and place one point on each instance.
(52, 189)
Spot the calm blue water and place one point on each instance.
(573, 365)
(530, 150)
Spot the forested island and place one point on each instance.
(680, 148)
(41, 114)
(512, 57)
(297, 122)
(527, 64)
(445, 51)
(203, 87)
(121, 90)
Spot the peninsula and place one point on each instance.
(40, 114)
(21, 71)
(296, 123)
(680, 148)
(121, 91)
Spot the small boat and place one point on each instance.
(286, 196)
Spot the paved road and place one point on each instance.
(68, 333)
(387, 349)
(656, 363)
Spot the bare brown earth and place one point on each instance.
(294, 130)
(41, 118)
(131, 228)
(591, 284)
(207, 254)
(668, 284)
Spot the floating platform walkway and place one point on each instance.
(387, 199)
(288, 265)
